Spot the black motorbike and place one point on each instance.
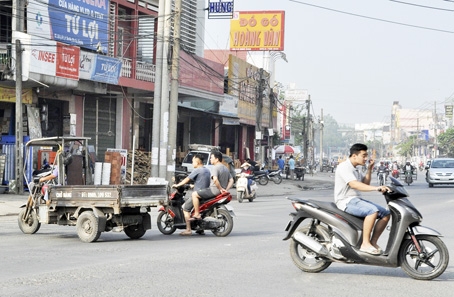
(332, 235)
(216, 216)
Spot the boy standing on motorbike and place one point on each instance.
(201, 177)
(349, 182)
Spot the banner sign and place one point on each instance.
(257, 31)
(448, 111)
(78, 22)
(106, 70)
(67, 61)
(9, 95)
(99, 68)
(220, 9)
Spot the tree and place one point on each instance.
(446, 143)
(406, 147)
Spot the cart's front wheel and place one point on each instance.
(88, 227)
(28, 224)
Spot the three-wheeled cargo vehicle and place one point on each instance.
(91, 208)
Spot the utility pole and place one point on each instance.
(258, 115)
(435, 130)
(20, 6)
(321, 137)
(173, 110)
(155, 141)
(307, 140)
(164, 136)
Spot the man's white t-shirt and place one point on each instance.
(345, 173)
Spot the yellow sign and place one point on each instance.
(257, 31)
(9, 95)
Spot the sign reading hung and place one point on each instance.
(220, 9)
(75, 22)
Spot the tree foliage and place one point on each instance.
(446, 143)
(406, 147)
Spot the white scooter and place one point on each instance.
(242, 190)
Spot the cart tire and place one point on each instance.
(135, 231)
(88, 227)
(28, 225)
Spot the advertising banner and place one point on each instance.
(43, 56)
(82, 23)
(257, 30)
(67, 61)
(9, 95)
(106, 70)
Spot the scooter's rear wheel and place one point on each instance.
(165, 223)
(228, 223)
(428, 264)
(305, 259)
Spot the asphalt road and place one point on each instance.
(252, 261)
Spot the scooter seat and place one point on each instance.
(331, 207)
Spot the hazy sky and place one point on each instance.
(355, 67)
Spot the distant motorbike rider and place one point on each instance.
(409, 167)
(247, 170)
(383, 169)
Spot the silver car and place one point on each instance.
(440, 171)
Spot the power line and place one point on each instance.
(372, 18)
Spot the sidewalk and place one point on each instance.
(10, 203)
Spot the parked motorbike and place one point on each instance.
(275, 175)
(216, 215)
(242, 189)
(335, 236)
(408, 177)
(261, 176)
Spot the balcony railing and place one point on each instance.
(5, 57)
(142, 70)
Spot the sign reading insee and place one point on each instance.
(257, 30)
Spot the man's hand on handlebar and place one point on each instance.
(383, 189)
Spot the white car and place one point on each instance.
(440, 171)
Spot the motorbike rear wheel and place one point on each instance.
(165, 223)
(305, 259)
(263, 180)
(277, 179)
(430, 263)
(228, 223)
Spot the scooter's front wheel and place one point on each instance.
(239, 196)
(305, 259)
(428, 264)
(165, 223)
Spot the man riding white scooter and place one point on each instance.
(245, 185)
